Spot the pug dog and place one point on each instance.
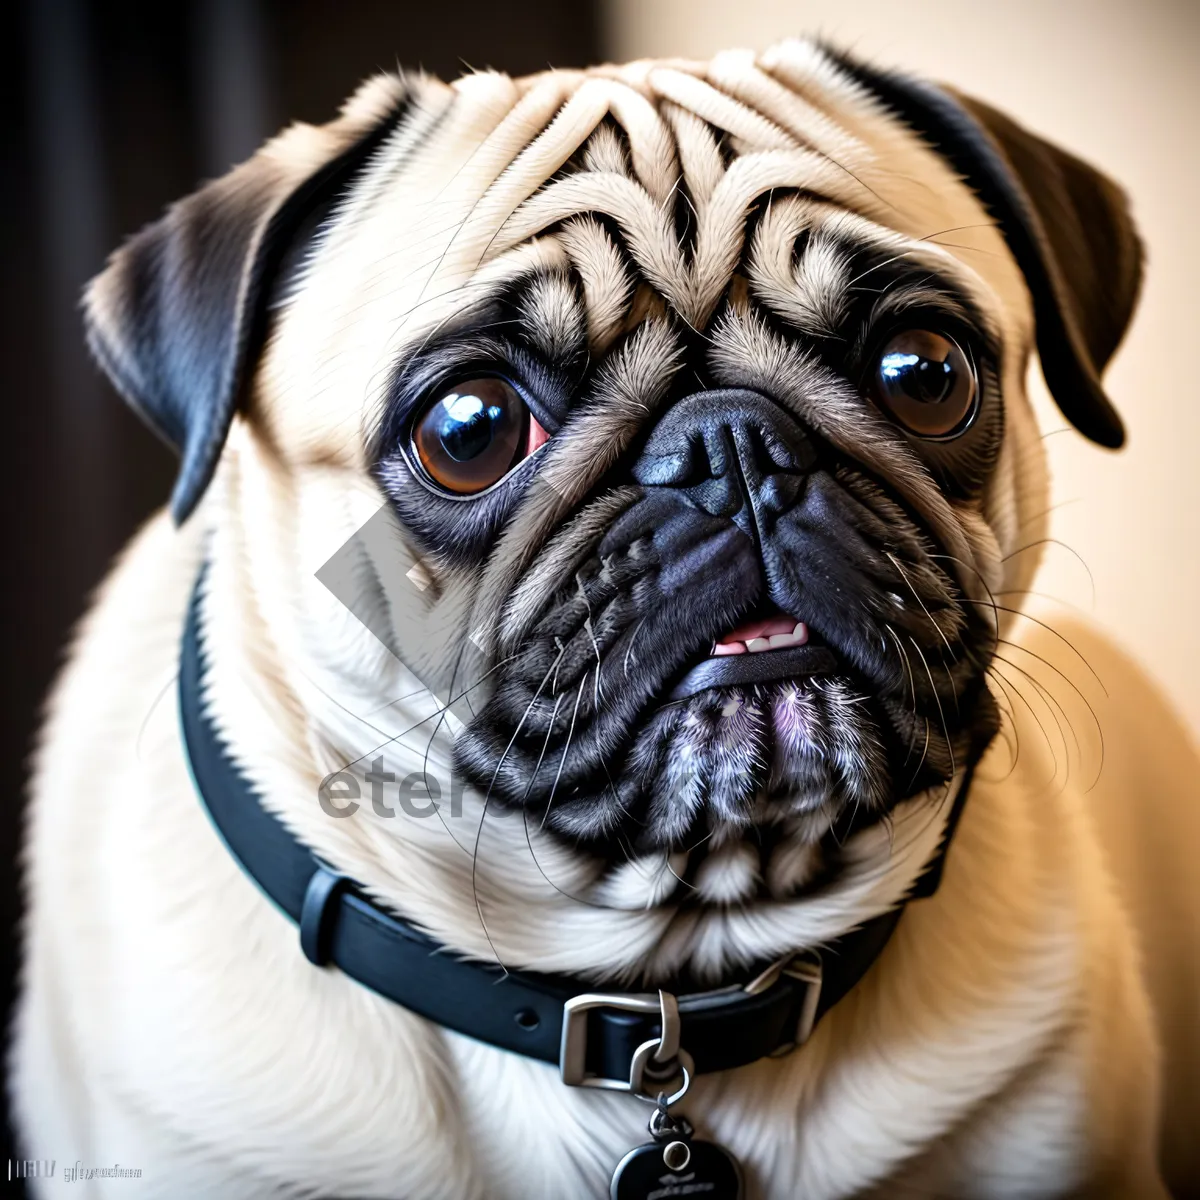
(607, 516)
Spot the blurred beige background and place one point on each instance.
(1119, 84)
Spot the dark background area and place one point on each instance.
(110, 110)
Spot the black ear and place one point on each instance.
(1067, 225)
(179, 314)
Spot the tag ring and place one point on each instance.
(639, 1070)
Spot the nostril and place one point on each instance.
(779, 492)
(721, 497)
(797, 453)
(698, 464)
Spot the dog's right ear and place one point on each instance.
(1068, 227)
(178, 316)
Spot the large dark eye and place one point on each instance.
(474, 434)
(926, 382)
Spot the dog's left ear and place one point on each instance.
(1067, 225)
(178, 316)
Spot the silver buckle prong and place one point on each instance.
(668, 1041)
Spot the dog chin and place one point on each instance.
(733, 757)
(760, 730)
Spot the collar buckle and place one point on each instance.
(656, 1062)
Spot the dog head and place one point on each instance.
(694, 393)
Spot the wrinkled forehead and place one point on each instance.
(587, 173)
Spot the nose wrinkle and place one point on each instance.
(754, 482)
(733, 453)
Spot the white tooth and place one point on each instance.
(756, 644)
(800, 633)
(779, 640)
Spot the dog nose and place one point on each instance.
(733, 452)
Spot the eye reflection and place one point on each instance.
(475, 433)
(927, 383)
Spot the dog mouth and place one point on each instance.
(762, 635)
(771, 646)
(689, 681)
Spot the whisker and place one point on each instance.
(1030, 709)
(438, 712)
(1015, 750)
(690, 886)
(1049, 541)
(1045, 512)
(938, 701)
(1056, 711)
(591, 632)
(924, 752)
(904, 575)
(545, 745)
(1071, 684)
(554, 682)
(978, 575)
(396, 700)
(525, 817)
(928, 237)
(972, 249)
(542, 872)
(1016, 612)
(437, 728)
(632, 639)
(912, 686)
(1052, 699)
(1042, 595)
(566, 747)
(483, 815)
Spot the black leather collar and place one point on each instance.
(592, 1035)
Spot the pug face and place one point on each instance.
(695, 392)
(744, 611)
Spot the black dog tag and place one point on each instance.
(664, 1170)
